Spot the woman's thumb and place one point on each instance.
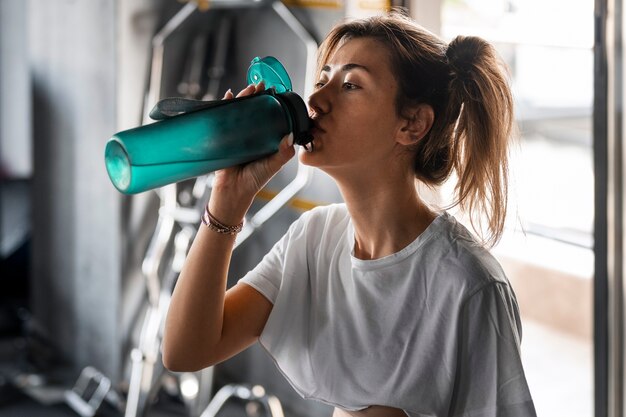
(285, 152)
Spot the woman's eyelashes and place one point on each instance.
(346, 85)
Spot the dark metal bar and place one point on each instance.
(600, 160)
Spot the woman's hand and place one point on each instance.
(234, 188)
(206, 324)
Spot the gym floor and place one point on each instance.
(15, 402)
(24, 361)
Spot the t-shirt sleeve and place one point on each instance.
(490, 380)
(267, 276)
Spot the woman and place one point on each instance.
(380, 306)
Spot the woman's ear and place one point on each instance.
(416, 124)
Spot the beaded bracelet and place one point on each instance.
(212, 223)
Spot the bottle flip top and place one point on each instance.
(192, 138)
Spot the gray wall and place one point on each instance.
(15, 133)
(77, 238)
(15, 104)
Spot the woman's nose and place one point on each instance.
(319, 102)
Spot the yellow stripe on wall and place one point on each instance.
(381, 5)
(297, 203)
(328, 4)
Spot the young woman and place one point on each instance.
(380, 306)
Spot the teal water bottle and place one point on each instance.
(193, 138)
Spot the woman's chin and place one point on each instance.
(304, 156)
(307, 156)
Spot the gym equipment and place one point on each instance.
(177, 223)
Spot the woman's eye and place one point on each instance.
(346, 85)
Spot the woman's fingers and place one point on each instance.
(284, 154)
(259, 87)
(247, 91)
(258, 173)
(288, 139)
(251, 89)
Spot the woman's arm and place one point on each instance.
(205, 324)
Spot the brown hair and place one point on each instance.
(466, 85)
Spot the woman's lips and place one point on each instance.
(316, 130)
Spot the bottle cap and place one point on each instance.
(270, 71)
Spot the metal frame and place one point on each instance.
(145, 364)
(242, 392)
(600, 282)
(608, 125)
(304, 173)
(175, 229)
(83, 397)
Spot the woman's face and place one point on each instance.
(353, 106)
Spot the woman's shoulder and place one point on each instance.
(318, 222)
(463, 257)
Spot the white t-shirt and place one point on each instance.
(433, 329)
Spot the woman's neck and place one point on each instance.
(387, 216)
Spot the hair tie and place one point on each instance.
(460, 59)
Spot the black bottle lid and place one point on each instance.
(300, 120)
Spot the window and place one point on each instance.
(547, 248)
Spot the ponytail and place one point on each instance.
(479, 93)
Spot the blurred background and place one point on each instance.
(86, 272)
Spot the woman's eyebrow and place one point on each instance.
(347, 67)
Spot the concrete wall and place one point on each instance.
(15, 103)
(76, 235)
